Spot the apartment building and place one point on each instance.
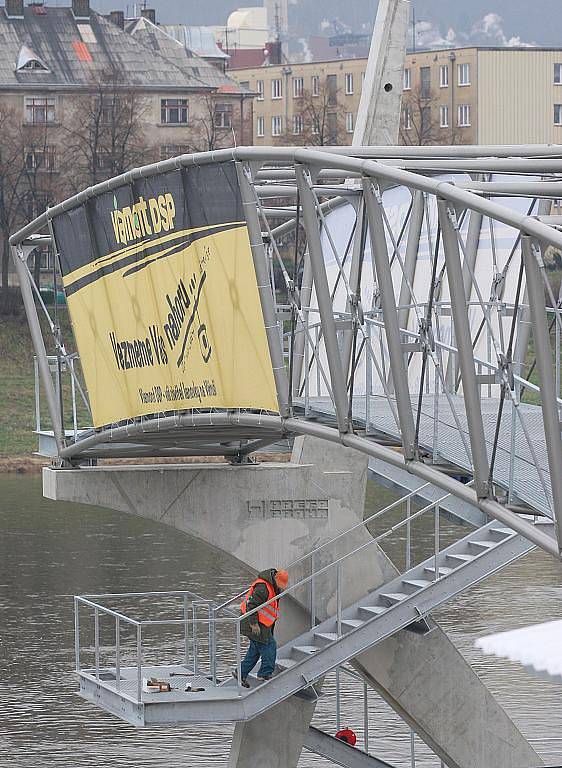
(314, 103)
(451, 96)
(86, 96)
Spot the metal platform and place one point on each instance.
(405, 601)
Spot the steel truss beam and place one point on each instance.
(302, 171)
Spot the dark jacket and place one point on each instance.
(259, 596)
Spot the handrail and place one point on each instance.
(361, 547)
(360, 524)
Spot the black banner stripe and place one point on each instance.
(140, 256)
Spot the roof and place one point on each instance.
(196, 68)
(200, 40)
(80, 53)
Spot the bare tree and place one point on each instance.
(213, 126)
(420, 124)
(318, 119)
(28, 182)
(104, 134)
(426, 120)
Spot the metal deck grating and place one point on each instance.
(525, 477)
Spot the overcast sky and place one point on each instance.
(493, 22)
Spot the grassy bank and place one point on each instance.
(17, 386)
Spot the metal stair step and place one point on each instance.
(326, 637)
(305, 651)
(484, 544)
(420, 583)
(373, 610)
(504, 532)
(285, 663)
(443, 570)
(352, 623)
(463, 558)
(395, 597)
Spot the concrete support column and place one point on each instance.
(272, 514)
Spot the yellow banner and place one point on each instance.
(172, 327)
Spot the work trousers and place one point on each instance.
(267, 652)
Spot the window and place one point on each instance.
(558, 114)
(315, 125)
(558, 74)
(259, 89)
(173, 150)
(297, 124)
(276, 125)
(349, 122)
(349, 83)
(104, 160)
(107, 108)
(34, 65)
(174, 111)
(464, 74)
(298, 87)
(464, 115)
(39, 110)
(332, 120)
(407, 118)
(40, 159)
(223, 116)
(34, 203)
(444, 76)
(277, 89)
(45, 256)
(260, 126)
(332, 84)
(425, 81)
(315, 83)
(407, 79)
(444, 116)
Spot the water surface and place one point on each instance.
(49, 552)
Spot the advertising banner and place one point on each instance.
(163, 299)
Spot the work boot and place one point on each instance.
(264, 677)
(244, 682)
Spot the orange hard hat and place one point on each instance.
(282, 579)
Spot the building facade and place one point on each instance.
(452, 96)
(85, 97)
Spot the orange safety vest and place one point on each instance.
(269, 614)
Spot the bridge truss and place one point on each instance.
(409, 315)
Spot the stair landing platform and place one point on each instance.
(217, 702)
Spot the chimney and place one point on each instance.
(14, 9)
(149, 13)
(117, 18)
(81, 9)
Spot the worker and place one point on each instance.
(259, 627)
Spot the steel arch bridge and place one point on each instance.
(408, 315)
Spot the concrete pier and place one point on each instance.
(271, 514)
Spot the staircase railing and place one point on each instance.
(200, 618)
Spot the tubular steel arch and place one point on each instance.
(399, 288)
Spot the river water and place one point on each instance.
(49, 552)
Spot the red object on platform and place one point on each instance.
(347, 735)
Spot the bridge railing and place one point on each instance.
(375, 250)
